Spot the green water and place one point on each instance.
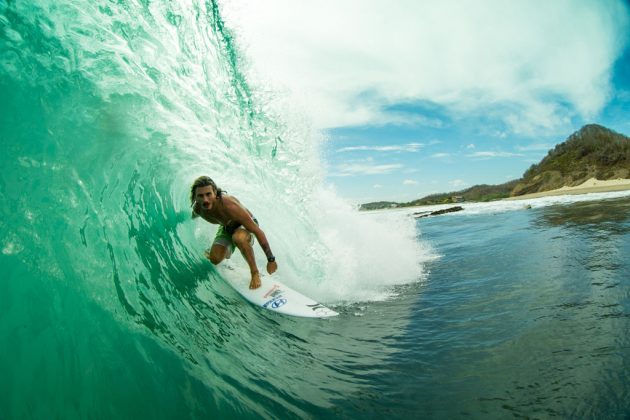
(107, 114)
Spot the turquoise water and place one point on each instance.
(108, 309)
(526, 312)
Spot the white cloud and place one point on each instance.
(493, 154)
(411, 147)
(470, 146)
(534, 147)
(353, 169)
(410, 182)
(410, 171)
(440, 155)
(377, 186)
(349, 60)
(457, 183)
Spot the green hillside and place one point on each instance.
(476, 193)
(592, 152)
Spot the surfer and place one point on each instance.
(237, 224)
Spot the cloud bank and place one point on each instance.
(410, 147)
(530, 65)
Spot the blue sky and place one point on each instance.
(419, 97)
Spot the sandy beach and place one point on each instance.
(590, 186)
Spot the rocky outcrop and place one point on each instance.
(422, 214)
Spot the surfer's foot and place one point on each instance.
(255, 283)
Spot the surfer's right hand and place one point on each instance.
(272, 267)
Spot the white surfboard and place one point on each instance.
(275, 295)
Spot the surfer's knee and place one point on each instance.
(216, 255)
(241, 238)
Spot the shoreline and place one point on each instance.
(589, 186)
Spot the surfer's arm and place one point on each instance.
(252, 227)
(272, 265)
(243, 216)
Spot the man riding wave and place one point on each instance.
(237, 224)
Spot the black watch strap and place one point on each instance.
(271, 259)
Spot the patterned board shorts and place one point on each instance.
(224, 238)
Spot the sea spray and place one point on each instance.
(366, 254)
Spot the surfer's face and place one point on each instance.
(205, 197)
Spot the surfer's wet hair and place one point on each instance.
(203, 181)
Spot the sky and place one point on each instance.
(415, 97)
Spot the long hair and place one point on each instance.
(203, 181)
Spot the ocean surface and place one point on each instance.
(108, 309)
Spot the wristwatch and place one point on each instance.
(271, 259)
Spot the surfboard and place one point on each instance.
(276, 296)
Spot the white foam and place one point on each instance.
(366, 254)
(512, 205)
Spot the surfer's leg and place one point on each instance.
(222, 247)
(217, 253)
(244, 241)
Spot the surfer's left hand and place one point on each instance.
(255, 282)
(272, 267)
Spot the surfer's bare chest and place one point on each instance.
(217, 219)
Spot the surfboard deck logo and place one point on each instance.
(273, 290)
(276, 302)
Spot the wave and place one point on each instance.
(108, 113)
